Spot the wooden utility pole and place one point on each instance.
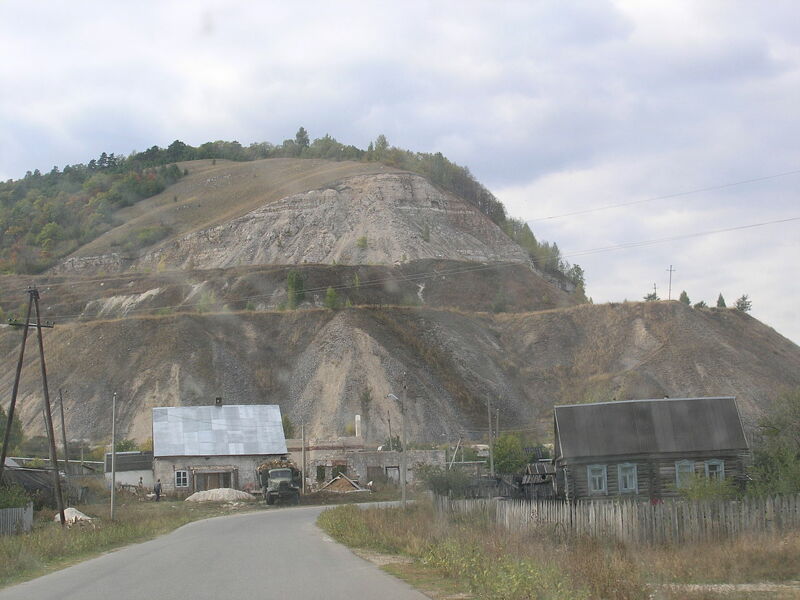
(491, 450)
(113, 451)
(48, 413)
(64, 433)
(669, 291)
(15, 389)
(303, 454)
(404, 449)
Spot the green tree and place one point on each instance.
(743, 304)
(16, 437)
(294, 289)
(701, 304)
(776, 448)
(721, 301)
(684, 297)
(301, 139)
(509, 456)
(651, 297)
(126, 445)
(331, 299)
(288, 427)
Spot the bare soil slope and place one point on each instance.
(317, 363)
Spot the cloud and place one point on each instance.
(554, 106)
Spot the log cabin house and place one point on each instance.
(646, 449)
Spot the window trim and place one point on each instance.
(678, 465)
(635, 488)
(720, 463)
(604, 489)
(185, 476)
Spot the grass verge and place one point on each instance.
(47, 547)
(489, 562)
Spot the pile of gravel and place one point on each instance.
(221, 495)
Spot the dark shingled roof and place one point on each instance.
(631, 427)
(131, 461)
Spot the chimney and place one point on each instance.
(218, 401)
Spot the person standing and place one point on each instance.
(157, 490)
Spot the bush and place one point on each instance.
(13, 496)
(361, 242)
(700, 487)
(444, 482)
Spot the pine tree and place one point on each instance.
(721, 301)
(331, 299)
(743, 304)
(685, 298)
(301, 139)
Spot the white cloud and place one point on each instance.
(555, 106)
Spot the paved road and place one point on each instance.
(273, 554)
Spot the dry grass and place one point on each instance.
(494, 563)
(49, 547)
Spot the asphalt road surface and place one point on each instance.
(273, 554)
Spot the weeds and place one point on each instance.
(491, 562)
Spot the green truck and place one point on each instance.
(280, 481)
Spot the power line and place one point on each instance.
(664, 197)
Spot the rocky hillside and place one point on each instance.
(318, 285)
(325, 366)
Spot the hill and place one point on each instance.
(325, 366)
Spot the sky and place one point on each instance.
(556, 107)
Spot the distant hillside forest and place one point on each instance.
(44, 217)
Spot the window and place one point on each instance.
(597, 479)
(715, 469)
(181, 478)
(684, 471)
(626, 479)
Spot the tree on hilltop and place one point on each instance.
(743, 304)
(301, 139)
(721, 302)
(684, 297)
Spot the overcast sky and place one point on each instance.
(556, 107)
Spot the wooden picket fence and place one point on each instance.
(671, 522)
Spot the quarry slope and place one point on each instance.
(325, 366)
(284, 211)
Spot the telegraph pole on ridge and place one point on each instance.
(669, 291)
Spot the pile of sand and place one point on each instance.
(221, 495)
(72, 515)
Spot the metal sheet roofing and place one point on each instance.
(235, 430)
(629, 427)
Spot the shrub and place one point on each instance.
(445, 482)
(361, 242)
(13, 496)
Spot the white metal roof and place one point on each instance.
(235, 430)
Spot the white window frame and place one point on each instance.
(604, 489)
(182, 475)
(720, 474)
(691, 471)
(628, 490)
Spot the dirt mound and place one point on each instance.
(221, 495)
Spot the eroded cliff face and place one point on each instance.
(369, 219)
(324, 367)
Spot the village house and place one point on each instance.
(646, 449)
(200, 448)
